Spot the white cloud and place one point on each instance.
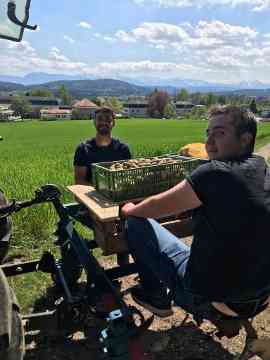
(154, 33)
(214, 47)
(218, 29)
(109, 38)
(21, 58)
(69, 39)
(207, 50)
(255, 5)
(204, 35)
(125, 37)
(85, 25)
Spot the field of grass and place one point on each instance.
(34, 153)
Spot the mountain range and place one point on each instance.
(79, 86)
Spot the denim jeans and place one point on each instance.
(162, 259)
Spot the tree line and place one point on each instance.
(160, 103)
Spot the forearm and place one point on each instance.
(152, 207)
(176, 200)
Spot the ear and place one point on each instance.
(246, 139)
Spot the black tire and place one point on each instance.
(16, 348)
(5, 230)
(11, 329)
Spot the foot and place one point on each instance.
(158, 304)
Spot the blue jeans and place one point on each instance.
(162, 259)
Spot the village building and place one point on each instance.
(6, 114)
(84, 109)
(36, 102)
(55, 114)
(135, 108)
(182, 107)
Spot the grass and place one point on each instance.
(34, 153)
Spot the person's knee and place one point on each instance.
(134, 228)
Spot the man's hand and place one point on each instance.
(126, 210)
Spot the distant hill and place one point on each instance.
(85, 88)
(8, 86)
(102, 87)
(109, 87)
(249, 92)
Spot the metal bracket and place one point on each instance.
(11, 13)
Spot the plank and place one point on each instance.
(98, 205)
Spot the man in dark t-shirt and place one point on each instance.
(229, 261)
(103, 147)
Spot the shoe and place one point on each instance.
(158, 304)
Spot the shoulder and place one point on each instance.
(211, 167)
(86, 144)
(119, 145)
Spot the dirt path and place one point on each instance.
(167, 338)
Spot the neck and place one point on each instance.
(103, 140)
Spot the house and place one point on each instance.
(36, 102)
(265, 114)
(182, 107)
(135, 108)
(55, 114)
(84, 109)
(6, 114)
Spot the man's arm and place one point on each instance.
(176, 200)
(80, 175)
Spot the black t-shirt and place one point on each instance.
(88, 153)
(230, 254)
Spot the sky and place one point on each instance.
(222, 41)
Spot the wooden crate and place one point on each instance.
(109, 228)
(110, 237)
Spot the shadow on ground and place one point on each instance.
(178, 342)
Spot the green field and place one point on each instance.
(34, 153)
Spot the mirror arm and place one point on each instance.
(11, 13)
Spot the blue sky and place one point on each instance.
(212, 40)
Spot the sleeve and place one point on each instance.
(80, 156)
(209, 182)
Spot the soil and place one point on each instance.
(170, 338)
(176, 338)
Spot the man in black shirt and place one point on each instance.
(228, 263)
(103, 147)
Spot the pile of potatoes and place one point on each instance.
(141, 162)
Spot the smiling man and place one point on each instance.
(228, 263)
(103, 147)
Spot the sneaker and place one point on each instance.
(158, 304)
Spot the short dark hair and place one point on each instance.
(106, 111)
(243, 120)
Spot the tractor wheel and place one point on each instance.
(15, 350)
(5, 230)
(11, 329)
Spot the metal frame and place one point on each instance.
(27, 7)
